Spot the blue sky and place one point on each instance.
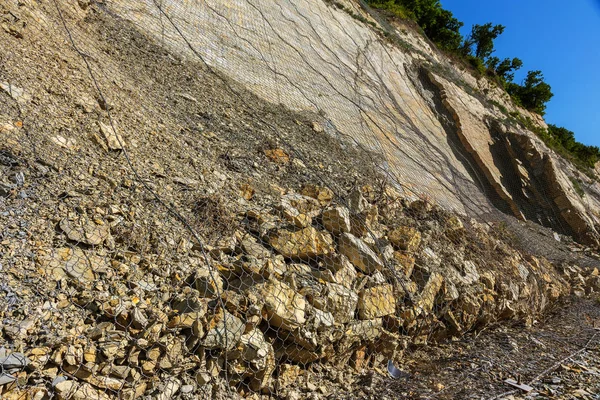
(562, 39)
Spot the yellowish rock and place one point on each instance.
(322, 194)
(301, 244)
(405, 238)
(284, 307)
(376, 302)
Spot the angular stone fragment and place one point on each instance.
(224, 331)
(278, 156)
(301, 244)
(288, 374)
(15, 92)
(258, 353)
(342, 270)
(113, 139)
(340, 302)
(71, 390)
(426, 298)
(405, 262)
(83, 230)
(319, 320)
(299, 209)
(73, 263)
(336, 220)
(405, 238)
(356, 202)
(454, 223)
(376, 301)
(365, 222)
(207, 281)
(322, 194)
(359, 254)
(284, 307)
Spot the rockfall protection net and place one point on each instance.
(167, 233)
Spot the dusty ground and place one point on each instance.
(560, 354)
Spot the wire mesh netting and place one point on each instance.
(168, 233)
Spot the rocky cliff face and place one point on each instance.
(166, 232)
(334, 58)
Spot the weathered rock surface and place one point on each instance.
(376, 302)
(359, 253)
(301, 244)
(337, 220)
(284, 307)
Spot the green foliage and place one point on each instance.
(500, 106)
(577, 186)
(563, 142)
(438, 24)
(352, 13)
(482, 37)
(589, 155)
(476, 63)
(476, 50)
(533, 94)
(503, 69)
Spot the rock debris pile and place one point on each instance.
(306, 283)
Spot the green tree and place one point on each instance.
(444, 30)
(507, 67)
(482, 37)
(533, 94)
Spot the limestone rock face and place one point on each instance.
(252, 288)
(402, 119)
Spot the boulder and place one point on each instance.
(73, 263)
(299, 209)
(376, 302)
(259, 356)
(114, 141)
(405, 262)
(356, 202)
(365, 222)
(224, 331)
(322, 194)
(340, 302)
(405, 238)
(426, 299)
(83, 230)
(283, 306)
(207, 281)
(305, 243)
(342, 270)
(359, 253)
(336, 220)
(278, 156)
